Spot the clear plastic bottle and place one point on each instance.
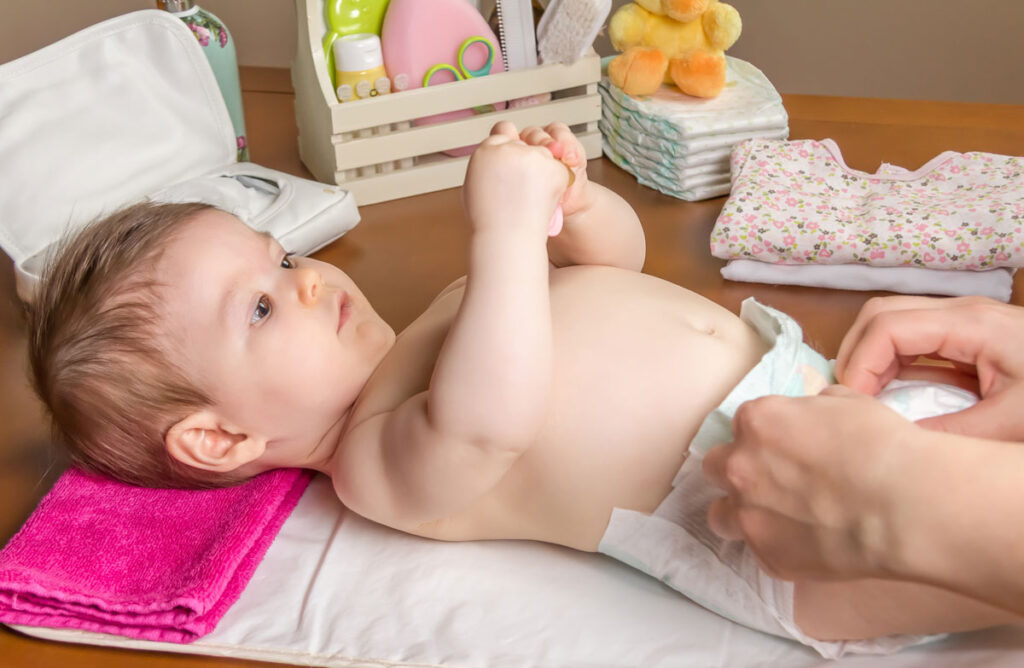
(219, 48)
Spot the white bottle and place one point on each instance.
(359, 67)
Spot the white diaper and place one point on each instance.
(680, 144)
(675, 545)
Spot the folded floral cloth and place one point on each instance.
(797, 202)
(154, 564)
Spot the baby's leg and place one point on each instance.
(873, 608)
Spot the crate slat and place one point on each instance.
(432, 176)
(418, 102)
(385, 146)
(372, 148)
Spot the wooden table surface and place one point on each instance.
(403, 252)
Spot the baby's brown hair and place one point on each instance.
(101, 361)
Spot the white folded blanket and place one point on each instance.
(996, 283)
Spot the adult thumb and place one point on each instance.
(992, 417)
(841, 391)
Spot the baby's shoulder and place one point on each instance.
(458, 285)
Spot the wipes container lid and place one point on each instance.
(126, 110)
(102, 118)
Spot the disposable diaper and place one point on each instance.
(683, 190)
(748, 102)
(651, 135)
(681, 145)
(675, 545)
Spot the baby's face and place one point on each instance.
(283, 344)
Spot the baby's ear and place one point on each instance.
(202, 440)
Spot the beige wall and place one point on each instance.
(920, 49)
(971, 51)
(264, 30)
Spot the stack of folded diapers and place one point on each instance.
(680, 145)
(798, 215)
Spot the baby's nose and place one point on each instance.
(311, 286)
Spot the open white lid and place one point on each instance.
(104, 117)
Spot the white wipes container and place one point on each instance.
(128, 110)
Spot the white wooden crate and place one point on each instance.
(371, 146)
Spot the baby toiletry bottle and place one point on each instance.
(219, 48)
(348, 17)
(359, 67)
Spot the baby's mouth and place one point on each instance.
(344, 309)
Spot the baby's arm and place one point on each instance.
(600, 227)
(488, 396)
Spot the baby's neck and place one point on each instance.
(317, 453)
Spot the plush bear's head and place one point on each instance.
(680, 10)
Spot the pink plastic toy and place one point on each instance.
(555, 226)
(418, 34)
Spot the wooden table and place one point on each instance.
(403, 252)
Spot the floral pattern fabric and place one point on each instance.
(797, 202)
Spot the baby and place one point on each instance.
(175, 346)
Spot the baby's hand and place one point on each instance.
(564, 146)
(510, 182)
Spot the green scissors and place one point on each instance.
(462, 72)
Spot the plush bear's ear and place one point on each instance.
(722, 25)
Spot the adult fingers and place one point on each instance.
(947, 375)
(997, 417)
(871, 309)
(784, 548)
(840, 391)
(723, 519)
(714, 465)
(894, 339)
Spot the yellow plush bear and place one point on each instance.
(672, 41)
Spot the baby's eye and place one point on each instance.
(261, 311)
(288, 262)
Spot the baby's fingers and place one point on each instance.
(505, 129)
(535, 136)
(573, 153)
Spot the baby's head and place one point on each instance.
(176, 347)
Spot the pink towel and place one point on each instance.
(154, 564)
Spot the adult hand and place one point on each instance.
(812, 482)
(981, 337)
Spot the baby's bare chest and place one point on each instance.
(626, 347)
(637, 363)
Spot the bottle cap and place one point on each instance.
(175, 6)
(358, 52)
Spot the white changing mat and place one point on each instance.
(337, 590)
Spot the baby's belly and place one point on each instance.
(638, 364)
